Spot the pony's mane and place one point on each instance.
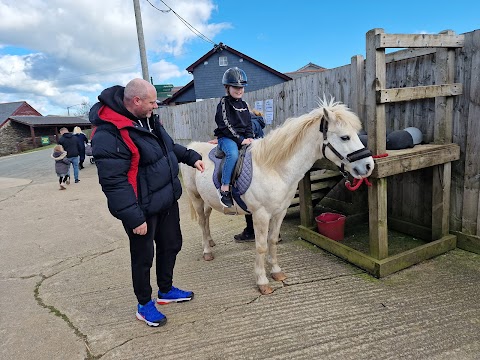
(281, 143)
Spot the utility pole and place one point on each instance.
(141, 40)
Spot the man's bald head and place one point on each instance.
(140, 98)
(138, 87)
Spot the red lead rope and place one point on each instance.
(358, 182)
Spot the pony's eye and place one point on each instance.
(345, 138)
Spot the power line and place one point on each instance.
(185, 22)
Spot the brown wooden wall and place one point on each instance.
(409, 194)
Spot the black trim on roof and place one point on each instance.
(222, 46)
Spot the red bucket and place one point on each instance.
(331, 225)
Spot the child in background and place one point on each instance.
(234, 127)
(62, 164)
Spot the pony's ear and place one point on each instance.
(326, 117)
(328, 114)
(322, 122)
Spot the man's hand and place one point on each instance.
(247, 141)
(141, 230)
(200, 165)
(213, 141)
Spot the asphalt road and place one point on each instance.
(37, 166)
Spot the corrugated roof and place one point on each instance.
(7, 109)
(50, 120)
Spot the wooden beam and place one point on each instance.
(406, 227)
(408, 54)
(419, 157)
(414, 256)
(441, 184)
(32, 134)
(383, 41)
(468, 242)
(337, 248)
(378, 230)
(387, 266)
(417, 92)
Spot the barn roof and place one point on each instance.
(36, 121)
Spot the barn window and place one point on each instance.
(222, 61)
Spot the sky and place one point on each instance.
(58, 54)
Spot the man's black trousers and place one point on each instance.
(164, 229)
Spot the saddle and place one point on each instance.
(242, 173)
(219, 154)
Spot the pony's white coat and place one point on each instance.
(280, 160)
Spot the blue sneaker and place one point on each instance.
(174, 295)
(150, 314)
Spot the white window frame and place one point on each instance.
(222, 61)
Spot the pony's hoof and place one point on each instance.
(208, 257)
(265, 289)
(211, 243)
(279, 276)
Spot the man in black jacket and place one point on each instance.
(137, 164)
(72, 147)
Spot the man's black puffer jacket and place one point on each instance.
(137, 169)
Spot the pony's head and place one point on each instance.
(331, 129)
(339, 128)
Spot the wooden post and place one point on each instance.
(375, 80)
(443, 129)
(444, 74)
(32, 133)
(442, 175)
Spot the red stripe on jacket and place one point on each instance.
(122, 122)
(133, 171)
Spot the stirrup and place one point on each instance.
(230, 210)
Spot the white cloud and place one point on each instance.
(59, 52)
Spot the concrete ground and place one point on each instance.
(65, 292)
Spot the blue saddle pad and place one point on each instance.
(242, 183)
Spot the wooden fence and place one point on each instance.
(410, 194)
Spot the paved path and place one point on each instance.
(65, 291)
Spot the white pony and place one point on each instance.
(280, 160)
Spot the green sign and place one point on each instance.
(164, 88)
(45, 140)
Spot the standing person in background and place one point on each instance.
(62, 165)
(82, 139)
(234, 127)
(72, 147)
(137, 164)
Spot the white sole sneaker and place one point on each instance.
(221, 202)
(149, 323)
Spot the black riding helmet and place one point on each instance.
(235, 77)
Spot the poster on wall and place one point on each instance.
(259, 105)
(268, 111)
